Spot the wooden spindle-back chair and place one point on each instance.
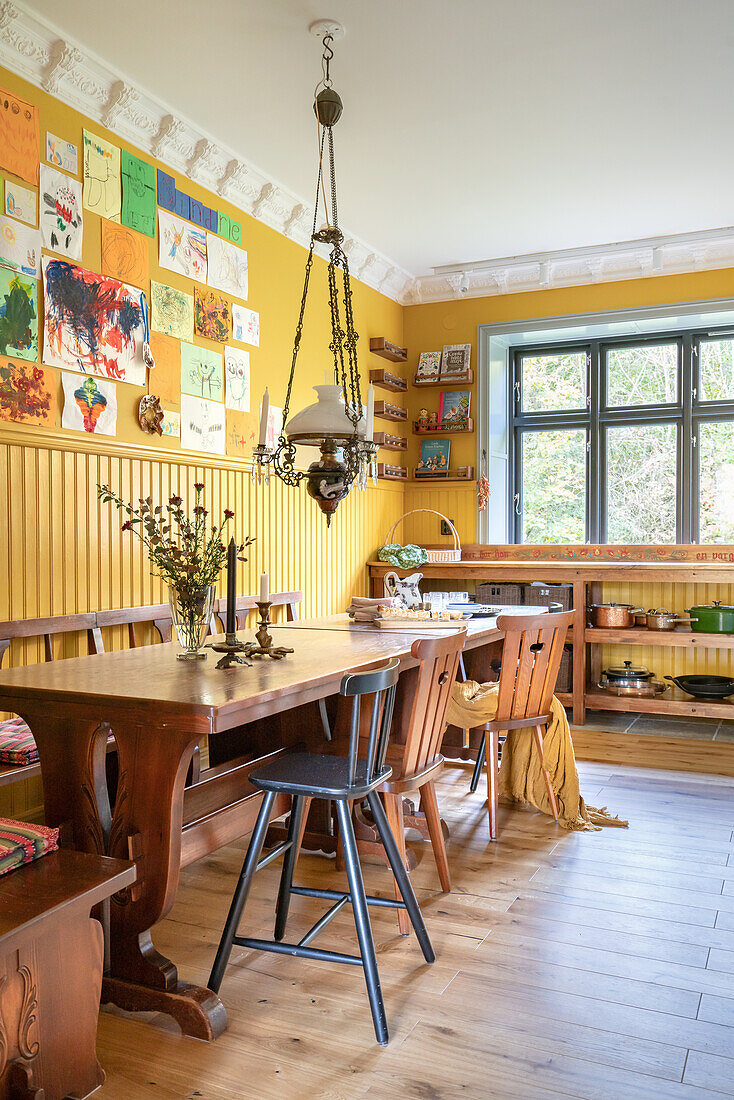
(417, 761)
(531, 659)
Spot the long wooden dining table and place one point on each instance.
(158, 709)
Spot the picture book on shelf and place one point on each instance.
(434, 460)
(453, 409)
(456, 360)
(429, 365)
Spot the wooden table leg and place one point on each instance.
(145, 825)
(578, 667)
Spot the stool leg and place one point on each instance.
(401, 875)
(435, 830)
(295, 833)
(396, 822)
(242, 890)
(481, 755)
(491, 740)
(362, 922)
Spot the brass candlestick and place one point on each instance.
(263, 646)
(232, 649)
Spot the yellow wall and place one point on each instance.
(63, 552)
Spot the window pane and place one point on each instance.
(716, 482)
(555, 381)
(554, 486)
(716, 370)
(645, 375)
(641, 483)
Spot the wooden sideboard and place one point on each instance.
(588, 579)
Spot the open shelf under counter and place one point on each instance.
(673, 702)
(641, 636)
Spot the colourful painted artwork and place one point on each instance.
(92, 324)
(27, 393)
(181, 247)
(125, 254)
(226, 266)
(245, 325)
(18, 315)
(167, 374)
(212, 315)
(171, 311)
(20, 203)
(453, 410)
(237, 379)
(62, 154)
(171, 423)
(434, 459)
(202, 425)
(138, 194)
(19, 137)
(201, 372)
(102, 192)
(61, 213)
(240, 433)
(90, 404)
(20, 248)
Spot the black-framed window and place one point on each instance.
(629, 440)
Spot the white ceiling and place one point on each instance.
(472, 129)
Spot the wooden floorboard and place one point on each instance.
(589, 965)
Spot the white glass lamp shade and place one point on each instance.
(325, 419)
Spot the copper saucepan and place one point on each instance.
(613, 616)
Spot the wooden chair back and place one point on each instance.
(429, 698)
(157, 614)
(46, 628)
(531, 657)
(245, 604)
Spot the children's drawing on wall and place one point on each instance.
(20, 203)
(18, 316)
(227, 266)
(181, 246)
(19, 137)
(27, 393)
(92, 324)
(102, 193)
(20, 248)
(124, 254)
(201, 372)
(245, 325)
(202, 425)
(212, 315)
(171, 311)
(61, 213)
(237, 379)
(138, 194)
(90, 404)
(62, 154)
(166, 377)
(171, 423)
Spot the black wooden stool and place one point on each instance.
(345, 780)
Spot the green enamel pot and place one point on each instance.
(712, 618)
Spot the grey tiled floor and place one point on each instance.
(659, 725)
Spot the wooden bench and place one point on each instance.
(245, 604)
(51, 959)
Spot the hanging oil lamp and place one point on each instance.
(337, 422)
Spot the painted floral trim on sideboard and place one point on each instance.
(654, 553)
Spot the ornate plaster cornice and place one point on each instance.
(673, 255)
(49, 58)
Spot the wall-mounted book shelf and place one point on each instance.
(391, 442)
(386, 380)
(447, 382)
(380, 346)
(440, 479)
(443, 431)
(388, 472)
(387, 411)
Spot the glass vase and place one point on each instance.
(191, 610)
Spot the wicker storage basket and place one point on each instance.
(507, 595)
(440, 556)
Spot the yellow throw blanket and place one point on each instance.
(521, 770)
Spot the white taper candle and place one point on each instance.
(264, 411)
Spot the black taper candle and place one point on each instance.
(230, 626)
